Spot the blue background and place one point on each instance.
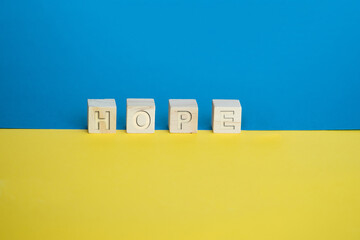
(293, 64)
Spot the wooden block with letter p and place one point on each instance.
(226, 116)
(101, 116)
(183, 116)
(140, 115)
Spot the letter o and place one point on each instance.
(139, 116)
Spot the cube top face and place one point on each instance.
(101, 103)
(226, 103)
(183, 116)
(101, 116)
(149, 102)
(140, 115)
(226, 116)
(183, 103)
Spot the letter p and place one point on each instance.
(183, 117)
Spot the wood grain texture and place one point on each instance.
(183, 116)
(226, 116)
(140, 115)
(101, 116)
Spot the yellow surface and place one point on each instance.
(67, 184)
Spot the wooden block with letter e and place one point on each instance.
(183, 116)
(101, 116)
(140, 115)
(226, 116)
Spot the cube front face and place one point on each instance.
(140, 115)
(101, 116)
(226, 116)
(183, 116)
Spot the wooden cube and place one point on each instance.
(140, 115)
(101, 116)
(183, 116)
(226, 116)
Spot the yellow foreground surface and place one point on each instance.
(67, 184)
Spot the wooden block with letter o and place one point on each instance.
(226, 116)
(140, 115)
(183, 116)
(101, 116)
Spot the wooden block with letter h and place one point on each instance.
(183, 116)
(101, 116)
(140, 115)
(226, 116)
